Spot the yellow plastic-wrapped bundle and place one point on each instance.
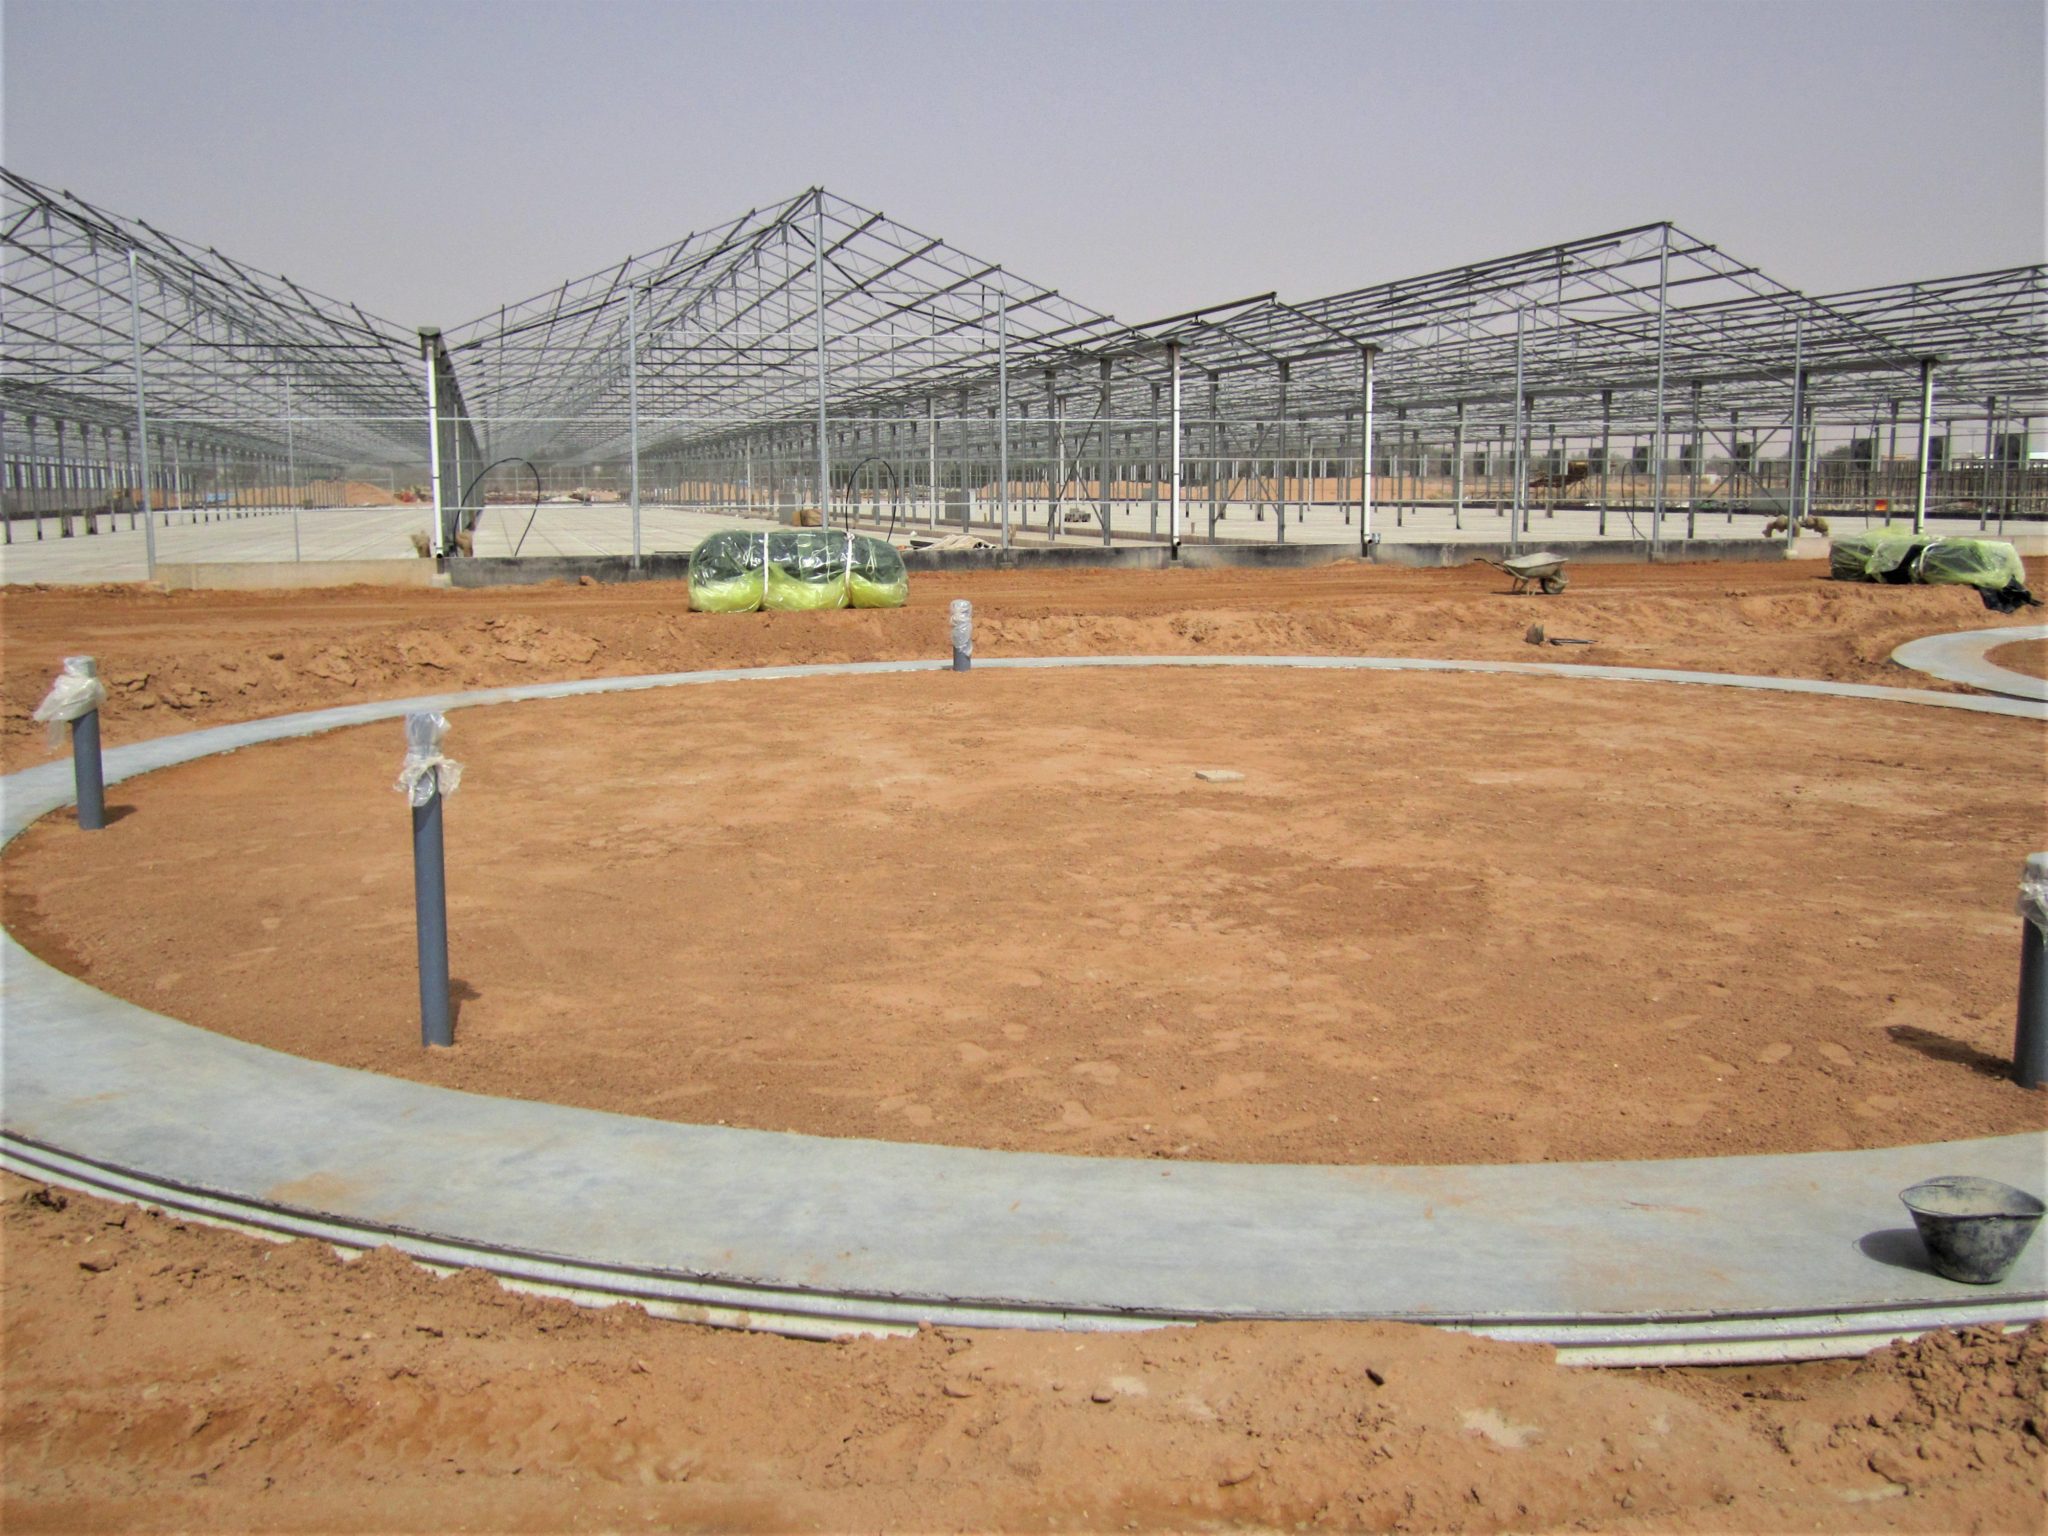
(794, 571)
(875, 577)
(725, 573)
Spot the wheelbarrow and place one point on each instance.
(1543, 570)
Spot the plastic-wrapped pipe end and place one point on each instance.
(425, 771)
(961, 616)
(76, 692)
(2033, 902)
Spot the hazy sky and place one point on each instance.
(431, 159)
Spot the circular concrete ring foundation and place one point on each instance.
(1711, 1259)
(1965, 657)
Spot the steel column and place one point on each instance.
(1174, 495)
(818, 294)
(1108, 453)
(1926, 443)
(1794, 467)
(1517, 507)
(633, 413)
(1662, 440)
(141, 417)
(1003, 410)
(1365, 361)
(1458, 470)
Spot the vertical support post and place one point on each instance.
(1280, 462)
(1152, 468)
(1107, 458)
(1795, 465)
(1210, 481)
(1365, 533)
(141, 416)
(437, 545)
(291, 466)
(1003, 410)
(1926, 444)
(1891, 454)
(1521, 466)
(1810, 470)
(1056, 425)
(2030, 1037)
(633, 411)
(818, 296)
(1661, 452)
(1606, 452)
(1458, 470)
(86, 773)
(31, 477)
(931, 420)
(1990, 453)
(1692, 495)
(65, 481)
(1174, 492)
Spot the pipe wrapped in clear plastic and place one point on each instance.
(425, 770)
(76, 691)
(2033, 902)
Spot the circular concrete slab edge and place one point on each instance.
(1964, 657)
(1720, 1259)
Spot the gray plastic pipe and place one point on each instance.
(85, 760)
(2030, 1039)
(962, 615)
(430, 892)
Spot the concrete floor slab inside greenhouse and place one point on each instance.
(331, 534)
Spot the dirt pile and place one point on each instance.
(303, 650)
(164, 1376)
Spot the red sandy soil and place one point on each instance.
(183, 659)
(2028, 656)
(1441, 919)
(161, 1376)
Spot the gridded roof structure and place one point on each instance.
(724, 328)
(817, 309)
(232, 356)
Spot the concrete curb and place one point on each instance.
(1963, 658)
(1707, 1259)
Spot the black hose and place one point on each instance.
(853, 484)
(479, 511)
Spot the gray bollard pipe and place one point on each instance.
(961, 613)
(429, 877)
(2030, 1039)
(85, 759)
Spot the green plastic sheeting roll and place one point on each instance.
(1898, 555)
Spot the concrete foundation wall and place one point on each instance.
(258, 574)
(1125, 557)
(1586, 551)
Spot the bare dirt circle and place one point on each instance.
(2028, 656)
(1441, 918)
